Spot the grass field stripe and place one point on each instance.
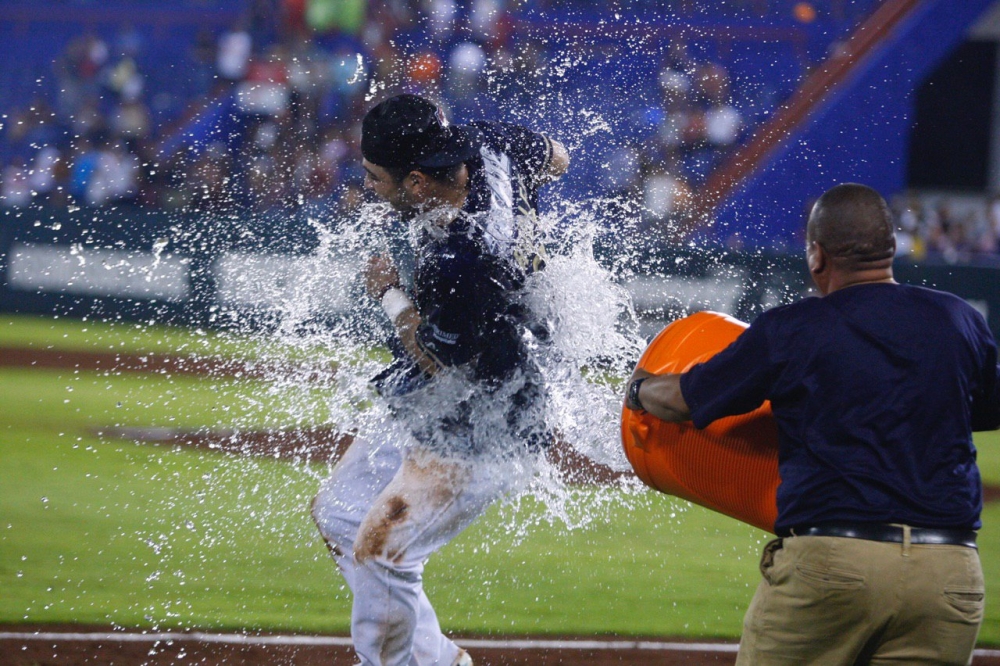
(343, 641)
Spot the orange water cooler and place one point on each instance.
(732, 465)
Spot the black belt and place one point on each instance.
(890, 533)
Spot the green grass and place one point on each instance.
(104, 532)
(60, 333)
(36, 332)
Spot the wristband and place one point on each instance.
(387, 288)
(395, 302)
(633, 393)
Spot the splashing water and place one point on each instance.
(594, 342)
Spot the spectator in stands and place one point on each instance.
(441, 16)
(88, 120)
(466, 64)
(201, 62)
(84, 163)
(44, 174)
(675, 121)
(131, 120)
(623, 179)
(309, 77)
(423, 72)
(265, 90)
(714, 124)
(723, 121)
(122, 76)
(666, 196)
(334, 153)
(233, 54)
(678, 68)
(348, 78)
(993, 218)
(115, 178)
(77, 70)
(15, 190)
(207, 183)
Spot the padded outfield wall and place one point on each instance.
(217, 272)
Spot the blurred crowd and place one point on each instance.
(950, 228)
(297, 75)
(289, 82)
(300, 76)
(690, 130)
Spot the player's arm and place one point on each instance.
(382, 283)
(538, 154)
(660, 395)
(558, 161)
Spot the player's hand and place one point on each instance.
(380, 275)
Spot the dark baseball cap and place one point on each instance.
(410, 131)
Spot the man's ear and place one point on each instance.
(416, 182)
(817, 259)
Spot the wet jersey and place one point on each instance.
(468, 275)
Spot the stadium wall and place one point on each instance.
(223, 272)
(858, 133)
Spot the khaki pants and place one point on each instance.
(830, 600)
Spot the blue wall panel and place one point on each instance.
(859, 133)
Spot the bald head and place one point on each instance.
(854, 225)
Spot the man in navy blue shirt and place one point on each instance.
(466, 400)
(876, 389)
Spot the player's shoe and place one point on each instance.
(463, 659)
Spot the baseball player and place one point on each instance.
(466, 399)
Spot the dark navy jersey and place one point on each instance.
(468, 275)
(876, 390)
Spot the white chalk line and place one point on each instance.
(343, 641)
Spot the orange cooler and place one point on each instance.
(732, 465)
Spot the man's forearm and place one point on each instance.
(406, 319)
(660, 395)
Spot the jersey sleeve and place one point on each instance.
(531, 151)
(735, 381)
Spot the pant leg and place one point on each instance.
(813, 605)
(381, 549)
(342, 502)
(429, 502)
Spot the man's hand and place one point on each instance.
(380, 275)
(660, 395)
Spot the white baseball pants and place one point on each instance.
(387, 506)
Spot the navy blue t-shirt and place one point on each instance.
(876, 390)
